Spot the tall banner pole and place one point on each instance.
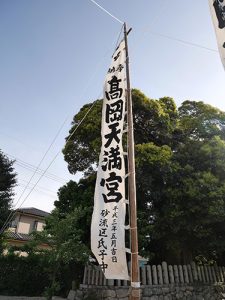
(135, 277)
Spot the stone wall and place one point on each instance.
(157, 292)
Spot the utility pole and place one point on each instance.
(135, 277)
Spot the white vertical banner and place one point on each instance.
(217, 8)
(108, 219)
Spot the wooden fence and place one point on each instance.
(160, 274)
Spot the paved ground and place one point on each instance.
(27, 298)
(20, 298)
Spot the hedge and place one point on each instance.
(31, 275)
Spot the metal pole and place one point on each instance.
(135, 277)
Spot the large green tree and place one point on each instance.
(7, 183)
(180, 174)
(74, 196)
(154, 120)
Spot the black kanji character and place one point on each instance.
(113, 244)
(112, 159)
(113, 134)
(114, 228)
(114, 222)
(102, 232)
(117, 56)
(112, 184)
(104, 212)
(101, 243)
(114, 259)
(115, 208)
(115, 215)
(113, 236)
(114, 91)
(114, 111)
(103, 267)
(102, 254)
(111, 70)
(120, 68)
(103, 223)
(113, 250)
(219, 7)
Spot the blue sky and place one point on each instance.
(53, 58)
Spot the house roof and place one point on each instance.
(18, 236)
(33, 211)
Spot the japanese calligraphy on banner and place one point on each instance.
(108, 219)
(217, 8)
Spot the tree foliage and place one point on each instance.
(73, 196)
(82, 149)
(7, 182)
(32, 275)
(180, 175)
(22, 276)
(63, 236)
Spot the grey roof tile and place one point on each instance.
(33, 211)
(18, 236)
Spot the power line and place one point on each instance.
(156, 17)
(153, 21)
(182, 41)
(31, 168)
(34, 173)
(106, 11)
(41, 187)
(37, 190)
(11, 215)
(154, 33)
(45, 171)
(45, 154)
(37, 168)
(16, 139)
(56, 178)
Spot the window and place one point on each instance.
(35, 225)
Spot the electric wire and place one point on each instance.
(40, 187)
(106, 11)
(45, 154)
(145, 31)
(12, 214)
(154, 33)
(37, 190)
(6, 222)
(34, 173)
(25, 164)
(118, 39)
(16, 139)
(38, 170)
(162, 35)
(31, 168)
(182, 41)
(153, 21)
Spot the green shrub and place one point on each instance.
(32, 276)
(22, 275)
